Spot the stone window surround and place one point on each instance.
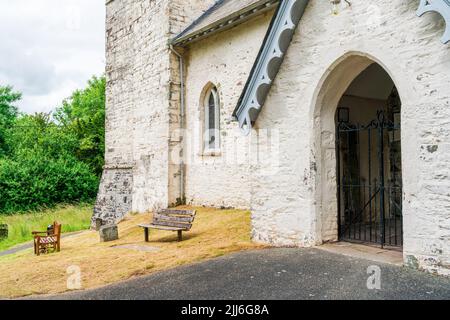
(205, 151)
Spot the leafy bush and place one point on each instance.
(34, 182)
(45, 160)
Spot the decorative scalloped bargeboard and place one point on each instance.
(275, 45)
(440, 6)
(268, 63)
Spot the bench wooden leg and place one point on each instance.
(180, 236)
(146, 232)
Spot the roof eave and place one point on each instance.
(230, 21)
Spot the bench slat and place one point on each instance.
(165, 223)
(178, 212)
(183, 219)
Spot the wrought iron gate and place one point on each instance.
(369, 176)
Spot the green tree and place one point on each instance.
(8, 113)
(37, 134)
(49, 160)
(83, 114)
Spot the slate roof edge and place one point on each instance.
(235, 18)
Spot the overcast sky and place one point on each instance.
(49, 48)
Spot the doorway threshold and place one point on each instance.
(360, 251)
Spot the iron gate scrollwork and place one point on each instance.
(369, 176)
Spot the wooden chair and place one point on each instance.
(171, 220)
(45, 240)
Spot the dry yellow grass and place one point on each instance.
(215, 233)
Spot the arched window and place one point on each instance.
(212, 121)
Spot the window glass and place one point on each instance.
(212, 121)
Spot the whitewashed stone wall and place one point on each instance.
(181, 14)
(225, 61)
(298, 206)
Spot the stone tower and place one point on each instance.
(142, 105)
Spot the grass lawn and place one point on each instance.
(215, 233)
(73, 218)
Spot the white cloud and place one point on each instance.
(49, 48)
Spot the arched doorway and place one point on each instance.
(358, 140)
(369, 166)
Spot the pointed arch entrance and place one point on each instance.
(358, 151)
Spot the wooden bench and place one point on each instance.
(171, 220)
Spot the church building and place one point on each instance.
(328, 119)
